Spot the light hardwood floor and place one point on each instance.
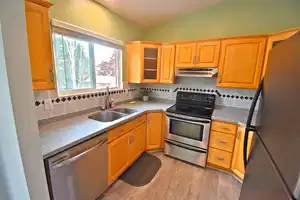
(177, 180)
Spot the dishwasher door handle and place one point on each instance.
(68, 161)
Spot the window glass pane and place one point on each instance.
(59, 63)
(73, 63)
(77, 64)
(106, 62)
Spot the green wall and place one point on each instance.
(92, 16)
(229, 18)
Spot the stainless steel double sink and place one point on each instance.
(112, 115)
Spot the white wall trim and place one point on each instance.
(84, 31)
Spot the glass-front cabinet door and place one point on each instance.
(151, 63)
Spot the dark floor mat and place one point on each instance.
(142, 171)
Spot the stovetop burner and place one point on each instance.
(194, 104)
(191, 111)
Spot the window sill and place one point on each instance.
(85, 92)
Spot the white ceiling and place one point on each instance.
(149, 12)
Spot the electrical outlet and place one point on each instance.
(48, 104)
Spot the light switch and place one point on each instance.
(48, 104)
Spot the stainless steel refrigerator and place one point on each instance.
(273, 167)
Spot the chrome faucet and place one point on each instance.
(108, 102)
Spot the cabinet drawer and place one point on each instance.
(137, 121)
(221, 141)
(124, 128)
(219, 158)
(224, 127)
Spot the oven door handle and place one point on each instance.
(191, 122)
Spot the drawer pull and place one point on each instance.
(222, 142)
(224, 128)
(221, 159)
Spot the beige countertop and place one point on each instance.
(60, 135)
(232, 115)
(57, 136)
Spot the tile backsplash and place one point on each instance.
(241, 98)
(74, 103)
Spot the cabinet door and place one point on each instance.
(154, 130)
(137, 142)
(241, 62)
(237, 165)
(39, 44)
(207, 54)
(150, 63)
(167, 64)
(185, 55)
(118, 151)
(274, 40)
(133, 61)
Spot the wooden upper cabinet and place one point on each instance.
(39, 44)
(237, 165)
(134, 69)
(241, 62)
(207, 54)
(154, 130)
(167, 64)
(143, 62)
(185, 55)
(274, 40)
(203, 54)
(150, 63)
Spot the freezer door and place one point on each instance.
(280, 113)
(261, 181)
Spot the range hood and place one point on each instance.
(196, 72)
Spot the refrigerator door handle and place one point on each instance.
(250, 127)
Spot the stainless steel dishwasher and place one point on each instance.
(81, 172)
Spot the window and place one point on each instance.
(85, 63)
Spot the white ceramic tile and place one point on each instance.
(45, 94)
(58, 109)
(42, 113)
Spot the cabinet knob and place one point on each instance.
(221, 159)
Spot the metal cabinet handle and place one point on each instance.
(221, 159)
(67, 161)
(238, 135)
(219, 77)
(224, 128)
(222, 142)
(52, 74)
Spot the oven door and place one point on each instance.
(188, 130)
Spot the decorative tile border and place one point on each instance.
(211, 91)
(83, 96)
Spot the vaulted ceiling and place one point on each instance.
(149, 12)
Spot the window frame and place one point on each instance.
(76, 29)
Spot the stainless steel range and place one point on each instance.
(189, 126)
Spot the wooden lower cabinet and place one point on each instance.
(219, 158)
(118, 157)
(122, 152)
(226, 150)
(137, 142)
(237, 165)
(125, 146)
(155, 129)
